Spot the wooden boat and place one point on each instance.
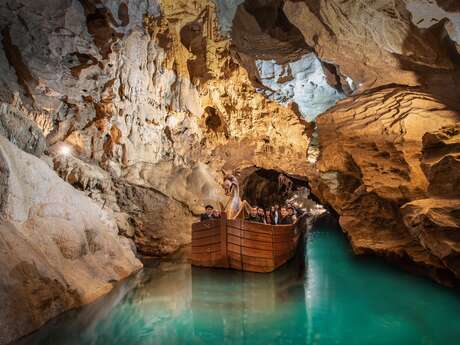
(243, 245)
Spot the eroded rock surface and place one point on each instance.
(378, 167)
(58, 249)
(148, 95)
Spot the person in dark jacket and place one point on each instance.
(254, 216)
(208, 214)
(292, 214)
(261, 214)
(268, 217)
(285, 218)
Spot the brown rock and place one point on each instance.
(58, 249)
(369, 167)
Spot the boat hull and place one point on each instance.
(243, 245)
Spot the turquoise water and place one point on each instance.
(326, 297)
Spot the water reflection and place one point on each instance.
(173, 303)
(330, 298)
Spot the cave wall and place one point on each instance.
(388, 154)
(130, 86)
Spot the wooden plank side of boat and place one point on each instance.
(243, 245)
(208, 244)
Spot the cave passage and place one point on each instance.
(265, 188)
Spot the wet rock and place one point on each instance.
(370, 171)
(58, 249)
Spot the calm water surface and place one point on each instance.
(326, 297)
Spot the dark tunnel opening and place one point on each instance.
(265, 188)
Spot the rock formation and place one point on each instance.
(377, 158)
(58, 248)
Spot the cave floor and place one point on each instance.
(327, 296)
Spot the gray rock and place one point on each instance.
(20, 130)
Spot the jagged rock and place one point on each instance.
(163, 224)
(436, 225)
(58, 249)
(20, 130)
(441, 161)
(369, 167)
(374, 43)
(126, 224)
(435, 221)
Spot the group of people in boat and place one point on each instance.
(275, 215)
(210, 213)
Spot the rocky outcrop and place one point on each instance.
(58, 248)
(20, 130)
(435, 220)
(373, 43)
(378, 166)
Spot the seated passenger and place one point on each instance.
(285, 218)
(215, 214)
(261, 214)
(291, 213)
(268, 216)
(253, 215)
(208, 214)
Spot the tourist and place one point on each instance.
(268, 216)
(291, 213)
(261, 214)
(275, 214)
(215, 214)
(253, 215)
(285, 218)
(208, 214)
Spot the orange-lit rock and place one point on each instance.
(376, 169)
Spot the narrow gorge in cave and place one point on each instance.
(229, 172)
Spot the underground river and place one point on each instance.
(327, 296)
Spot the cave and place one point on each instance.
(134, 134)
(264, 189)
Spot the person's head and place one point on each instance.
(260, 211)
(272, 209)
(215, 213)
(290, 211)
(267, 213)
(253, 211)
(277, 207)
(209, 209)
(283, 211)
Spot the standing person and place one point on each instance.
(268, 216)
(285, 218)
(291, 213)
(208, 213)
(275, 214)
(261, 214)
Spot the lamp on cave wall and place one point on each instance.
(65, 150)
